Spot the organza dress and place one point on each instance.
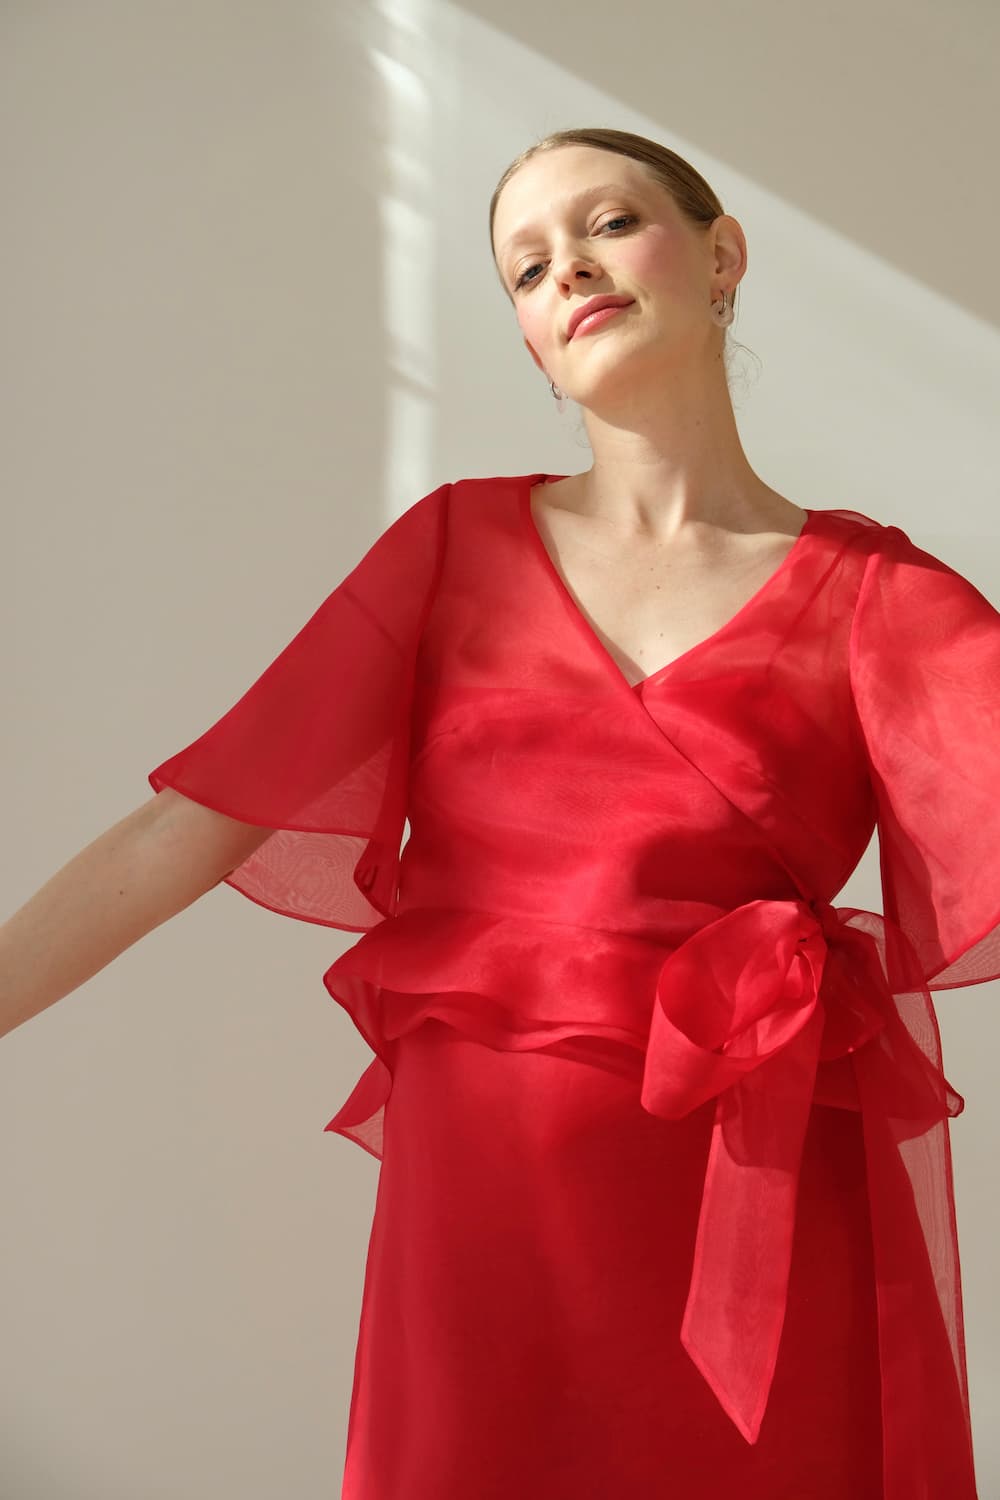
(665, 1204)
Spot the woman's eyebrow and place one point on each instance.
(527, 230)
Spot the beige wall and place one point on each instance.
(249, 316)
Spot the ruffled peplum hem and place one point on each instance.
(511, 983)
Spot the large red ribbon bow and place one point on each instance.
(768, 1009)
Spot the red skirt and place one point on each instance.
(527, 1272)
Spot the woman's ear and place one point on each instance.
(534, 356)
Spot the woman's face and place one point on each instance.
(578, 222)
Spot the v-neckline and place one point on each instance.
(636, 688)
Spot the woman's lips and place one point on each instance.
(595, 319)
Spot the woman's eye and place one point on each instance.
(523, 280)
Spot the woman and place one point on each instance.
(660, 1126)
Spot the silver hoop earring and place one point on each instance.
(558, 394)
(722, 311)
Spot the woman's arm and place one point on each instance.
(142, 870)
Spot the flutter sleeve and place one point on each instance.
(317, 748)
(925, 674)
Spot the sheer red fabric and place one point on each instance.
(608, 954)
(317, 747)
